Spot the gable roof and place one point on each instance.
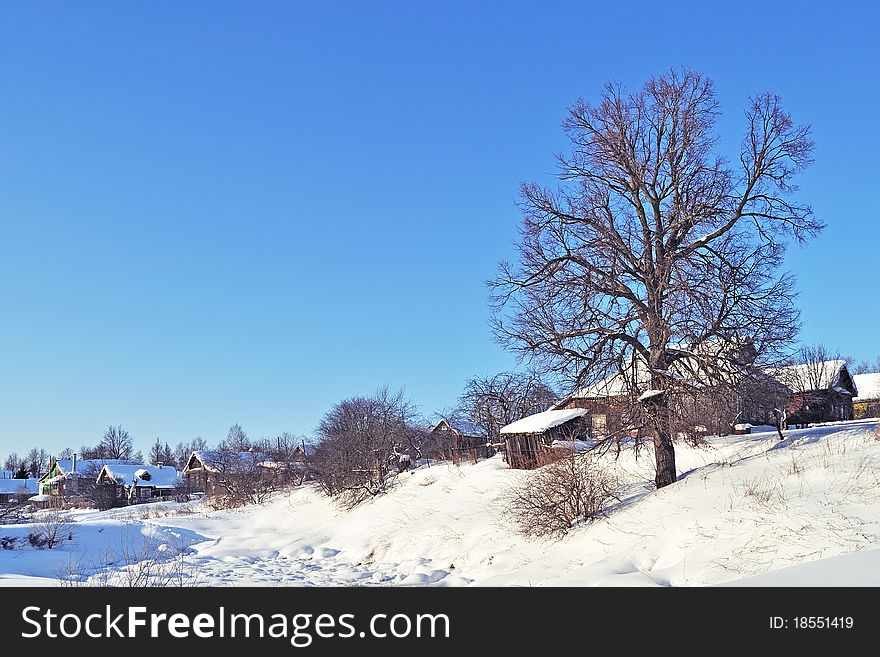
(141, 475)
(541, 422)
(867, 386)
(84, 467)
(807, 377)
(213, 460)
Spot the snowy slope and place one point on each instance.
(747, 506)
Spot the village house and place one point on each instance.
(866, 403)
(526, 441)
(816, 392)
(460, 438)
(135, 483)
(206, 469)
(68, 481)
(820, 392)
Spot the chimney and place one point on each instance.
(73, 469)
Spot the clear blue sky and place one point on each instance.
(218, 212)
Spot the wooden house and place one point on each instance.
(528, 441)
(820, 392)
(132, 483)
(67, 481)
(206, 468)
(866, 403)
(458, 439)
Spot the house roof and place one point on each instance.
(807, 377)
(867, 386)
(84, 467)
(142, 475)
(12, 486)
(540, 422)
(461, 426)
(215, 459)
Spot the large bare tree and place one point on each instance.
(653, 243)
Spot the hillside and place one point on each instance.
(789, 513)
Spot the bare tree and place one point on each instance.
(116, 444)
(493, 402)
(654, 244)
(51, 529)
(183, 450)
(37, 460)
(360, 438)
(13, 462)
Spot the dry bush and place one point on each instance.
(557, 496)
(51, 529)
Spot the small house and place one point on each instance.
(528, 441)
(820, 392)
(866, 403)
(132, 483)
(206, 468)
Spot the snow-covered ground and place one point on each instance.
(747, 510)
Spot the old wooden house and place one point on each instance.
(527, 442)
(820, 392)
(72, 481)
(206, 469)
(460, 439)
(866, 403)
(133, 483)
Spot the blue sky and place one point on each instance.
(218, 212)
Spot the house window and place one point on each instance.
(598, 423)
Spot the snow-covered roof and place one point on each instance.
(214, 459)
(540, 422)
(142, 475)
(12, 486)
(39, 498)
(86, 467)
(807, 377)
(867, 386)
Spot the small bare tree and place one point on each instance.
(51, 529)
(557, 496)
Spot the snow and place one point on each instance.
(868, 386)
(649, 394)
(742, 426)
(540, 422)
(747, 509)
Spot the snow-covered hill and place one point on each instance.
(747, 510)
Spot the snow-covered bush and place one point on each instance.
(50, 530)
(552, 499)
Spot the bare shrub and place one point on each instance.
(51, 529)
(559, 495)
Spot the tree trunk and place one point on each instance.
(664, 455)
